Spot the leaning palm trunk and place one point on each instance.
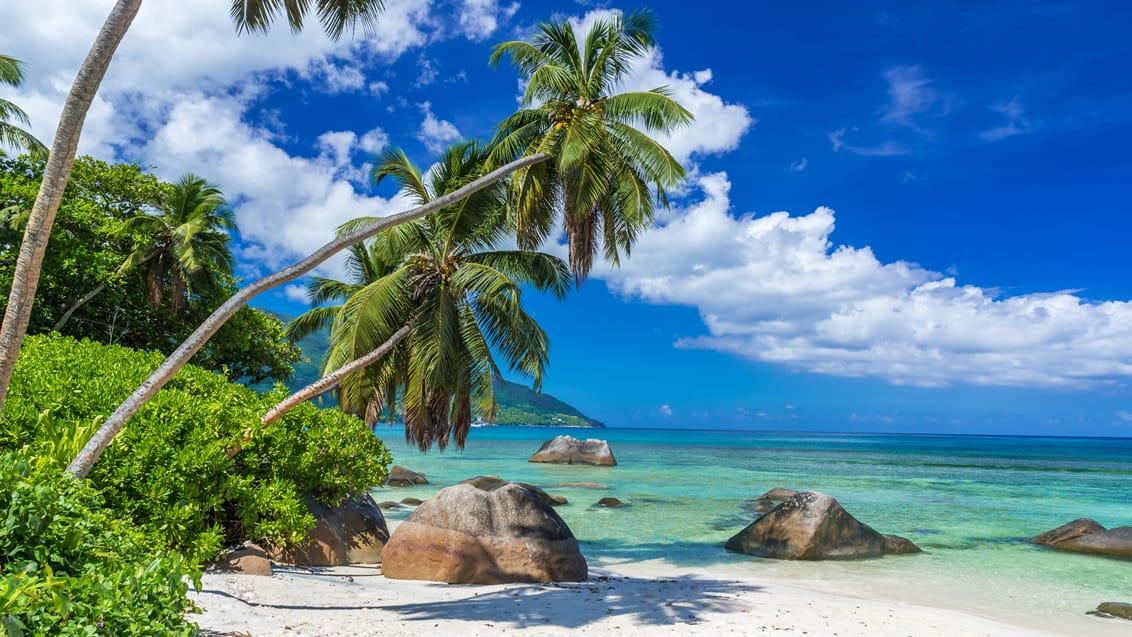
(331, 380)
(25, 278)
(83, 462)
(76, 305)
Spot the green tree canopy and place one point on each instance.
(92, 239)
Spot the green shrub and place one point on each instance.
(69, 567)
(169, 471)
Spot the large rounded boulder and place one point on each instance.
(813, 526)
(570, 450)
(1085, 535)
(465, 535)
(352, 533)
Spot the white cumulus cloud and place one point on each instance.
(775, 288)
(478, 19)
(436, 133)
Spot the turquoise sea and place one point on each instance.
(969, 501)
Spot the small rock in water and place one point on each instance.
(583, 485)
(612, 503)
(390, 504)
(411, 501)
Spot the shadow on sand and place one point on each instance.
(656, 602)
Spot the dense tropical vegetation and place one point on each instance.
(114, 274)
(170, 486)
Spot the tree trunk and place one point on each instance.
(323, 385)
(25, 278)
(76, 305)
(83, 462)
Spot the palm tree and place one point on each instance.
(12, 74)
(606, 172)
(534, 197)
(336, 17)
(184, 248)
(435, 322)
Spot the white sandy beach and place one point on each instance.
(641, 598)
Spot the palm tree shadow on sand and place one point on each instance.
(654, 602)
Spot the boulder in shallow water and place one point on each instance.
(1069, 531)
(486, 483)
(1085, 535)
(413, 502)
(809, 526)
(570, 450)
(401, 477)
(465, 535)
(1115, 609)
(352, 533)
(389, 504)
(610, 502)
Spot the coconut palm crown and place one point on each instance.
(336, 16)
(444, 276)
(11, 135)
(606, 170)
(184, 248)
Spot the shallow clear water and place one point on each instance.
(968, 501)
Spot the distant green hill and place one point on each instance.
(518, 405)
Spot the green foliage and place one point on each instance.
(106, 214)
(442, 276)
(68, 566)
(12, 136)
(169, 471)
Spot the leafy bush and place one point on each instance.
(68, 567)
(169, 470)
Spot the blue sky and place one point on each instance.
(897, 218)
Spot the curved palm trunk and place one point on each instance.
(83, 462)
(76, 305)
(25, 278)
(331, 380)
